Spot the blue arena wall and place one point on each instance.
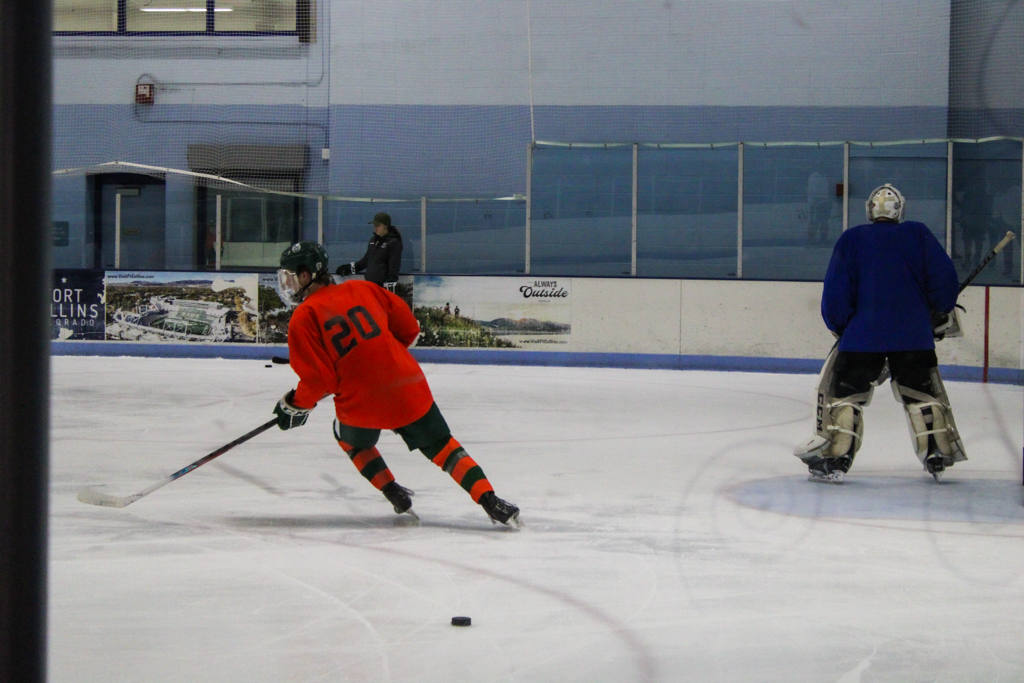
(408, 151)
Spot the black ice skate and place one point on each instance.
(500, 511)
(400, 497)
(828, 470)
(935, 465)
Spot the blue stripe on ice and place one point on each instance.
(866, 496)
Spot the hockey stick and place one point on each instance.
(988, 259)
(279, 360)
(94, 497)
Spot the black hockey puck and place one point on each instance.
(269, 366)
(461, 621)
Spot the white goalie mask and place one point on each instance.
(885, 202)
(288, 287)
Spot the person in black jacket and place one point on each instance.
(383, 258)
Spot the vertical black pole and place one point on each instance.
(25, 119)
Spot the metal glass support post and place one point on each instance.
(423, 234)
(217, 239)
(846, 186)
(949, 198)
(25, 262)
(632, 258)
(117, 230)
(739, 213)
(320, 221)
(529, 201)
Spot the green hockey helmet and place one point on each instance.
(305, 256)
(308, 256)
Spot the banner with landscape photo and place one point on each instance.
(181, 307)
(493, 312)
(274, 314)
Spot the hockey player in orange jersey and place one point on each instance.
(351, 341)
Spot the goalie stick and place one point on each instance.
(988, 259)
(951, 326)
(93, 497)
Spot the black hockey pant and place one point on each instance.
(856, 370)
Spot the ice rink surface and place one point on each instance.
(670, 535)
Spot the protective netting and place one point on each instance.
(986, 92)
(289, 119)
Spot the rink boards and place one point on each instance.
(710, 324)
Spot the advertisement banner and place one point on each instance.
(76, 304)
(500, 312)
(181, 307)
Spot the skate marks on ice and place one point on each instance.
(641, 660)
(912, 497)
(319, 522)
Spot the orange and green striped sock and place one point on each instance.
(370, 464)
(454, 460)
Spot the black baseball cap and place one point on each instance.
(381, 219)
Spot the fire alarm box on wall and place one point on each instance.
(144, 93)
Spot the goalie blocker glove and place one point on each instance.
(946, 324)
(288, 415)
(346, 269)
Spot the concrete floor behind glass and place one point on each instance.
(670, 535)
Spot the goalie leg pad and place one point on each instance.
(845, 386)
(847, 428)
(933, 433)
(840, 432)
(829, 459)
(928, 429)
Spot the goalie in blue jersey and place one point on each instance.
(890, 291)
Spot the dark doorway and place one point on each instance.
(255, 226)
(142, 221)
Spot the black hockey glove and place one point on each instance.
(346, 269)
(288, 415)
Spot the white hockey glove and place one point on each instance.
(346, 269)
(391, 286)
(289, 415)
(946, 324)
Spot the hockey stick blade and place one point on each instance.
(91, 496)
(280, 360)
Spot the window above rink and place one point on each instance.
(184, 17)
